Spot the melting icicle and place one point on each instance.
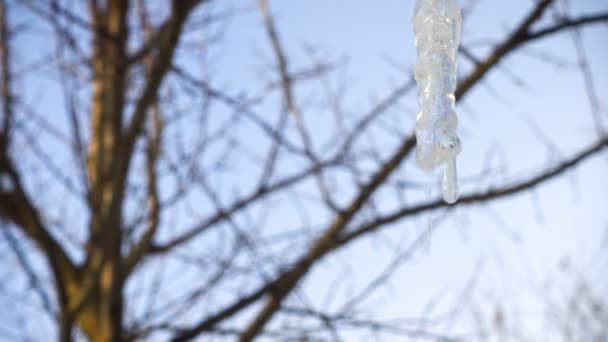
(449, 181)
(437, 31)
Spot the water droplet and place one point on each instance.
(449, 181)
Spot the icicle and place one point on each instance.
(437, 31)
(449, 181)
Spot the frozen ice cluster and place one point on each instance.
(437, 26)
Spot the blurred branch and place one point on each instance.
(238, 106)
(402, 330)
(290, 106)
(27, 267)
(5, 86)
(158, 68)
(290, 278)
(513, 41)
(236, 207)
(566, 23)
(588, 77)
(15, 205)
(482, 196)
(154, 141)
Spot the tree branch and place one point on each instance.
(566, 23)
(482, 196)
(239, 205)
(15, 205)
(158, 70)
(515, 39)
(159, 67)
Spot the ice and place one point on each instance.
(449, 181)
(437, 25)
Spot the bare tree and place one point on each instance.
(128, 219)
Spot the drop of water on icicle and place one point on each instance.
(449, 181)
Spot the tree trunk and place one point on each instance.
(101, 301)
(100, 316)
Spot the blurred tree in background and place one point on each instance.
(142, 200)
